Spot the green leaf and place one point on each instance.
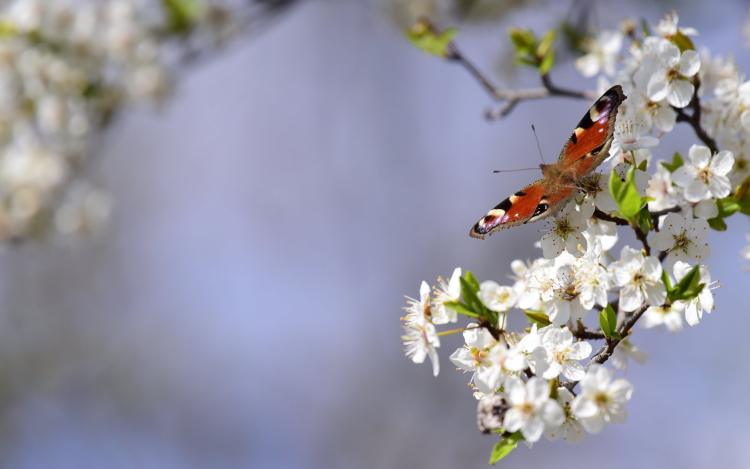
(460, 308)
(625, 194)
(717, 224)
(471, 299)
(682, 42)
(688, 288)
(727, 206)
(644, 26)
(469, 276)
(616, 335)
(676, 163)
(505, 446)
(536, 317)
(547, 62)
(545, 44)
(643, 165)
(524, 41)
(608, 321)
(182, 15)
(425, 39)
(665, 279)
(644, 220)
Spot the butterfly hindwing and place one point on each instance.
(589, 143)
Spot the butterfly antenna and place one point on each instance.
(513, 170)
(537, 143)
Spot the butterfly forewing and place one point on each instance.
(593, 131)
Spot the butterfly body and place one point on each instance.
(586, 148)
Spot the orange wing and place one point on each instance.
(593, 133)
(536, 201)
(586, 148)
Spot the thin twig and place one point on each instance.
(606, 217)
(642, 238)
(605, 352)
(512, 97)
(695, 120)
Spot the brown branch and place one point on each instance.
(512, 97)
(606, 217)
(695, 120)
(642, 238)
(605, 352)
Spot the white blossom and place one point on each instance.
(571, 430)
(567, 232)
(667, 316)
(602, 52)
(563, 353)
(703, 176)
(449, 291)
(704, 301)
(683, 238)
(626, 350)
(474, 357)
(418, 310)
(531, 408)
(421, 341)
(660, 189)
(592, 277)
(670, 74)
(496, 297)
(601, 400)
(640, 279)
(628, 138)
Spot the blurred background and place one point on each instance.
(241, 307)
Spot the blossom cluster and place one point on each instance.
(66, 69)
(547, 379)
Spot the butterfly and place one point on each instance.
(586, 148)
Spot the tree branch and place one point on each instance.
(606, 217)
(605, 352)
(512, 97)
(695, 120)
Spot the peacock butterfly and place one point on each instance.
(586, 148)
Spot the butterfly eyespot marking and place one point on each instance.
(541, 208)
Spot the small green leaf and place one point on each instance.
(625, 194)
(688, 288)
(425, 39)
(644, 220)
(643, 165)
(547, 62)
(665, 279)
(505, 446)
(469, 276)
(682, 42)
(727, 206)
(471, 299)
(523, 41)
(717, 224)
(545, 44)
(182, 15)
(616, 335)
(460, 308)
(536, 317)
(608, 321)
(644, 26)
(676, 163)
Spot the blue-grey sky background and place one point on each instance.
(241, 308)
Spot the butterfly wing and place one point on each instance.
(589, 143)
(585, 149)
(532, 203)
